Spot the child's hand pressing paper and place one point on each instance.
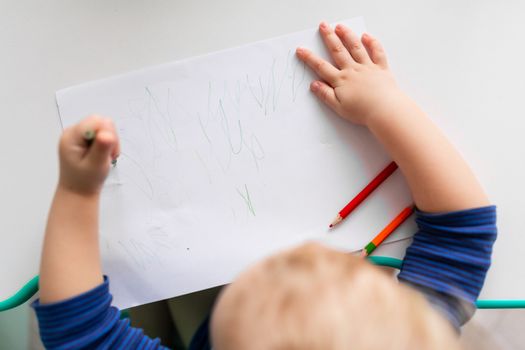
(85, 160)
(360, 87)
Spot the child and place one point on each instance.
(310, 297)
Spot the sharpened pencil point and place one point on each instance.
(337, 220)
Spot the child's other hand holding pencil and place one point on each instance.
(87, 150)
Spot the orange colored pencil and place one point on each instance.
(391, 227)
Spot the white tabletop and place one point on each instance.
(462, 61)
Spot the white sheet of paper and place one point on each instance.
(227, 158)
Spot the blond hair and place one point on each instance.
(313, 297)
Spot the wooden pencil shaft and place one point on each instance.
(361, 196)
(389, 229)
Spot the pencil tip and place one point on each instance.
(335, 221)
(331, 225)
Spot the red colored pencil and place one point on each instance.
(378, 180)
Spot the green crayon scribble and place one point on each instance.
(247, 200)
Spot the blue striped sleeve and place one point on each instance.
(88, 321)
(449, 259)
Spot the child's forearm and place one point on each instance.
(70, 258)
(440, 180)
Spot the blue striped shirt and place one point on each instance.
(447, 262)
(449, 258)
(88, 321)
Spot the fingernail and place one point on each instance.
(366, 36)
(299, 50)
(315, 86)
(323, 25)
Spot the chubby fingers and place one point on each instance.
(78, 137)
(333, 43)
(322, 68)
(326, 94)
(99, 138)
(109, 129)
(353, 44)
(116, 150)
(375, 50)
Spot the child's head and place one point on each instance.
(313, 297)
